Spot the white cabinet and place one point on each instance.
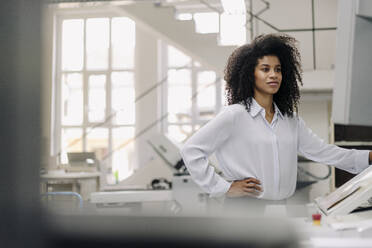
(83, 183)
(352, 99)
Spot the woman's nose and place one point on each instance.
(273, 74)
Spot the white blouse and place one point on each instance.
(247, 145)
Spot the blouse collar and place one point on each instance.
(256, 109)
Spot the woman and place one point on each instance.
(257, 137)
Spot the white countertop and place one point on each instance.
(61, 174)
(131, 196)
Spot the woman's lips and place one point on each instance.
(273, 83)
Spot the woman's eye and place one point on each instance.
(265, 69)
(278, 69)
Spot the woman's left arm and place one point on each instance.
(314, 148)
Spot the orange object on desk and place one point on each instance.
(316, 219)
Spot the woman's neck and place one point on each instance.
(265, 101)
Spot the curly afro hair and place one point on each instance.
(239, 72)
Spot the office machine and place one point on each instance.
(168, 151)
(348, 197)
(164, 179)
(80, 175)
(81, 162)
(350, 206)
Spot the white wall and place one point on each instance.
(47, 81)
(146, 76)
(316, 114)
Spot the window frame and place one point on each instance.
(56, 115)
(194, 70)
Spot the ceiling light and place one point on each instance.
(234, 6)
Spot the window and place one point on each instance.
(236, 35)
(193, 95)
(221, 23)
(206, 22)
(94, 93)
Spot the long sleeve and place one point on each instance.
(203, 143)
(314, 148)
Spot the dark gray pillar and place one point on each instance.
(20, 132)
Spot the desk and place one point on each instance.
(308, 235)
(131, 196)
(83, 183)
(326, 237)
(132, 201)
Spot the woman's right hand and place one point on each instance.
(246, 187)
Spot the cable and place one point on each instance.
(302, 170)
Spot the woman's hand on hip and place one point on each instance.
(246, 187)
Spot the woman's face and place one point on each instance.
(268, 75)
